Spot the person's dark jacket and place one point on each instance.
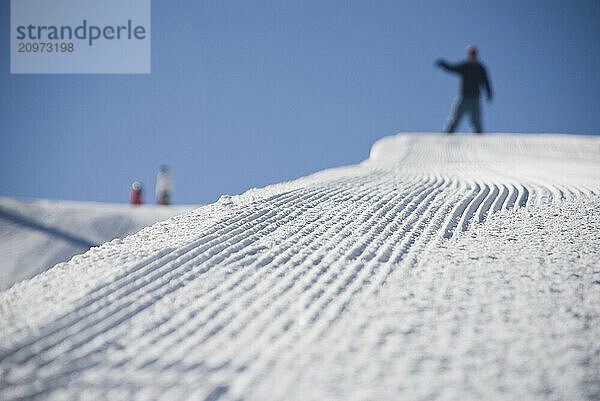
(473, 75)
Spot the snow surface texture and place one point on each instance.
(444, 267)
(37, 234)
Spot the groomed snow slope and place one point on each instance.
(37, 234)
(450, 268)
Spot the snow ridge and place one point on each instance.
(37, 234)
(233, 300)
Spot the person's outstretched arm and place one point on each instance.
(448, 67)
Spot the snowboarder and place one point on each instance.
(164, 186)
(473, 75)
(135, 195)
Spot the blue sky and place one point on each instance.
(243, 94)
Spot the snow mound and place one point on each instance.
(37, 234)
(444, 267)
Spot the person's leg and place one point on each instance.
(456, 114)
(475, 112)
(163, 198)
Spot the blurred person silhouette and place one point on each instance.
(135, 195)
(164, 186)
(473, 75)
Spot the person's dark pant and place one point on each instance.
(461, 106)
(163, 198)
